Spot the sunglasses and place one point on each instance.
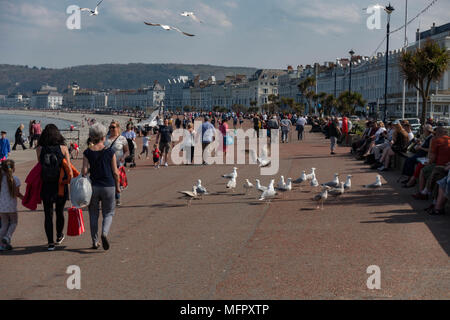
(112, 127)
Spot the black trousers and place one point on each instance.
(20, 143)
(300, 130)
(58, 207)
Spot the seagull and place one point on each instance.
(302, 178)
(192, 15)
(336, 192)
(281, 184)
(260, 187)
(189, 195)
(321, 197)
(314, 182)
(231, 184)
(247, 186)
(348, 183)
(93, 12)
(312, 174)
(231, 175)
(270, 193)
(334, 183)
(201, 189)
(262, 161)
(376, 184)
(168, 28)
(287, 186)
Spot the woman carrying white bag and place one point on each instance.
(100, 162)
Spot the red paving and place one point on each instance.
(230, 246)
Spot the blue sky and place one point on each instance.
(255, 33)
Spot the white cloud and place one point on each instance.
(214, 16)
(33, 14)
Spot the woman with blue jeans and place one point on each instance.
(443, 195)
(101, 164)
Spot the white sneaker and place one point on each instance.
(166, 164)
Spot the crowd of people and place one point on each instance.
(427, 158)
(109, 150)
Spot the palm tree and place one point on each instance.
(274, 102)
(305, 87)
(329, 103)
(423, 66)
(347, 101)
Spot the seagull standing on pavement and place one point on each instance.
(259, 186)
(247, 186)
(314, 182)
(168, 28)
(92, 12)
(201, 189)
(348, 182)
(287, 186)
(337, 192)
(231, 184)
(270, 193)
(191, 15)
(281, 183)
(334, 183)
(312, 174)
(376, 184)
(302, 178)
(231, 175)
(321, 197)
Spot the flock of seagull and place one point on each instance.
(187, 14)
(334, 188)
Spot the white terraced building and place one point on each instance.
(368, 78)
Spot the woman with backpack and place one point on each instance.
(101, 164)
(51, 150)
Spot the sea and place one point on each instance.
(10, 123)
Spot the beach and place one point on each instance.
(77, 119)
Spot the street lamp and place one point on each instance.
(351, 52)
(389, 9)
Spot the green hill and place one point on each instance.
(25, 79)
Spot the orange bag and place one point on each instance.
(123, 181)
(75, 225)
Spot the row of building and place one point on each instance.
(367, 78)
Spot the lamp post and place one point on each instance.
(389, 9)
(351, 52)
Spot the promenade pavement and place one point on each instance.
(231, 246)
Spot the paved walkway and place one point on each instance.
(230, 246)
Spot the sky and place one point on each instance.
(248, 33)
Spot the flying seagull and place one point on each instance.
(191, 15)
(231, 175)
(376, 184)
(189, 195)
(168, 28)
(93, 12)
(262, 161)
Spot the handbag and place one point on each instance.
(229, 140)
(75, 225)
(123, 181)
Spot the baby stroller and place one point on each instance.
(131, 158)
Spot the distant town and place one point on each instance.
(362, 74)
